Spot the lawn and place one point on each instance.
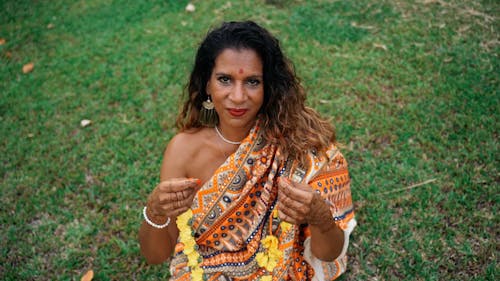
(412, 88)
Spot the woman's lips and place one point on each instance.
(237, 112)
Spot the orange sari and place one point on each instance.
(232, 213)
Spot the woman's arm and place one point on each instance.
(171, 197)
(327, 239)
(299, 204)
(157, 245)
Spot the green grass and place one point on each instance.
(411, 86)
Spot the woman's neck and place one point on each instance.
(233, 135)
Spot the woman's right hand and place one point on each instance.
(172, 197)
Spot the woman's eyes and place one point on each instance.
(224, 79)
(251, 81)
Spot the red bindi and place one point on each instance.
(241, 70)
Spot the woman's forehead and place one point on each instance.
(240, 61)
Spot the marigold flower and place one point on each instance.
(197, 274)
(193, 258)
(185, 235)
(275, 213)
(270, 241)
(266, 278)
(262, 259)
(183, 219)
(275, 254)
(285, 226)
(271, 264)
(189, 246)
(269, 259)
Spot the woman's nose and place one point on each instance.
(238, 94)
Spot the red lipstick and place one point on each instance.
(237, 112)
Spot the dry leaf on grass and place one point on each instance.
(85, 122)
(368, 27)
(190, 8)
(428, 2)
(27, 68)
(2, 41)
(88, 276)
(380, 46)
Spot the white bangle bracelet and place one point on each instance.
(159, 226)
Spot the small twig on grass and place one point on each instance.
(473, 12)
(410, 187)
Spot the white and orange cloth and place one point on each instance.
(233, 215)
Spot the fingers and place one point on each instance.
(178, 184)
(294, 201)
(165, 198)
(288, 202)
(295, 191)
(177, 189)
(289, 215)
(178, 204)
(292, 211)
(173, 197)
(179, 207)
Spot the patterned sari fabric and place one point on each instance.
(232, 213)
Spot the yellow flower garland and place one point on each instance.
(186, 237)
(268, 259)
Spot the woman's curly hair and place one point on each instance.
(287, 122)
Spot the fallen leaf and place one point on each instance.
(380, 46)
(351, 145)
(190, 8)
(27, 68)
(85, 122)
(368, 27)
(88, 276)
(428, 2)
(89, 178)
(2, 41)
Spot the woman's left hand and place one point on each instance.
(298, 203)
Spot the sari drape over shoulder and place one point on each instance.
(232, 213)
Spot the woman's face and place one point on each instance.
(236, 87)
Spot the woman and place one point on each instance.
(253, 183)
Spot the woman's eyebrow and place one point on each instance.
(249, 76)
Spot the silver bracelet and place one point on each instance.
(159, 226)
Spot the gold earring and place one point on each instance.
(208, 115)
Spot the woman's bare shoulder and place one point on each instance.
(182, 149)
(186, 143)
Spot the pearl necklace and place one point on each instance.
(224, 139)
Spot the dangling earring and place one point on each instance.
(208, 115)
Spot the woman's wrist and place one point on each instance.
(155, 220)
(324, 227)
(321, 217)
